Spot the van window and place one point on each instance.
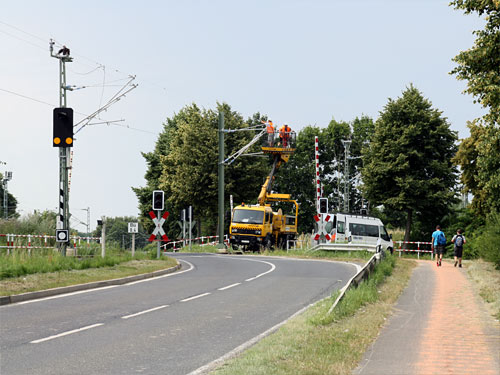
(363, 230)
(290, 220)
(340, 227)
(383, 234)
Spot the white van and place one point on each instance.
(357, 229)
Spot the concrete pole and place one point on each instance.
(103, 238)
(221, 181)
(133, 244)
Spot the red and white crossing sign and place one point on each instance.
(159, 226)
(321, 221)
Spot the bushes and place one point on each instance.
(485, 242)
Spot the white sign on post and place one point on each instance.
(133, 227)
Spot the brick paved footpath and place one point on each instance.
(440, 326)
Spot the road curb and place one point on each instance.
(5, 300)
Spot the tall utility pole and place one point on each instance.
(347, 145)
(221, 181)
(64, 152)
(88, 219)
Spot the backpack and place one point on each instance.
(459, 241)
(441, 239)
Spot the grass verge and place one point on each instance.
(487, 283)
(41, 281)
(314, 343)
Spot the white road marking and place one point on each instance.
(273, 267)
(198, 296)
(66, 333)
(144, 312)
(66, 294)
(191, 267)
(229, 286)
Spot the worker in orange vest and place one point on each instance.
(285, 135)
(270, 132)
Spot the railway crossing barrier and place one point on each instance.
(38, 241)
(202, 241)
(418, 250)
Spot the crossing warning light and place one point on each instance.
(323, 205)
(63, 127)
(158, 199)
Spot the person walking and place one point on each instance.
(438, 243)
(459, 241)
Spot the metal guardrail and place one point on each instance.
(362, 274)
(344, 247)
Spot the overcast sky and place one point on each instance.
(297, 61)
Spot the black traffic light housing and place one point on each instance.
(323, 205)
(63, 127)
(158, 199)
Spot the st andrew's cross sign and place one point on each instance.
(159, 226)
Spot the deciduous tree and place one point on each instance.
(408, 164)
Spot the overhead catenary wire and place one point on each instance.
(111, 122)
(59, 44)
(241, 151)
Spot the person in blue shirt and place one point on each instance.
(438, 244)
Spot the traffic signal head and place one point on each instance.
(63, 127)
(158, 198)
(323, 205)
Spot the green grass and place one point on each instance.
(41, 281)
(318, 343)
(486, 281)
(22, 263)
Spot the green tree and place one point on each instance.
(408, 164)
(184, 165)
(479, 64)
(479, 154)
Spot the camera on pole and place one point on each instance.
(158, 200)
(62, 127)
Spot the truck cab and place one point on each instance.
(251, 227)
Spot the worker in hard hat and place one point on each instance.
(285, 135)
(270, 133)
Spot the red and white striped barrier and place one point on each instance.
(10, 237)
(418, 250)
(204, 240)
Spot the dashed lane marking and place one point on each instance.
(66, 333)
(229, 286)
(144, 312)
(195, 297)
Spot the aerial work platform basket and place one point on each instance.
(279, 143)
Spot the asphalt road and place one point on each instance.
(172, 324)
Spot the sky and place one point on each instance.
(299, 62)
